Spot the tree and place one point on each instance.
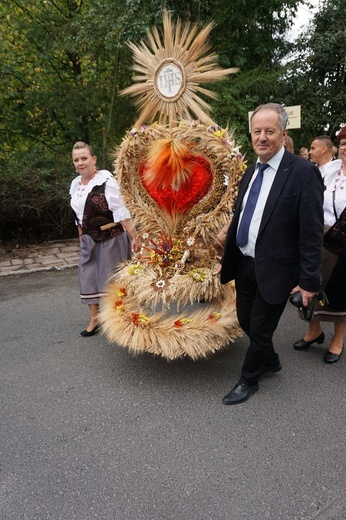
(316, 78)
(64, 63)
(64, 68)
(252, 36)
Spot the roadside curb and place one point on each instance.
(55, 255)
(36, 270)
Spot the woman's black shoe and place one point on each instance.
(86, 333)
(302, 344)
(330, 357)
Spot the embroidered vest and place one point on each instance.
(97, 214)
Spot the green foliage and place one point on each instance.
(316, 78)
(35, 198)
(251, 35)
(64, 63)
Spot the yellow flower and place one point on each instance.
(119, 307)
(139, 319)
(179, 323)
(214, 317)
(219, 133)
(197, 275)
(135, 269)
(143, 318)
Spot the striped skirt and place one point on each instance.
(97, 262)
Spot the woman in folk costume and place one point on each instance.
(179, 178)
(101, 218)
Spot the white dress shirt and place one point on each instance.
(332, 166)
(268, 179)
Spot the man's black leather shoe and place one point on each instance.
(240, 393)
(302, 344)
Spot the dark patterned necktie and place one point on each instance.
(243, 229)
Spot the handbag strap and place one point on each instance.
(337, 222)
(334, 208)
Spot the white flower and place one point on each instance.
(190, 241)
(160, 284)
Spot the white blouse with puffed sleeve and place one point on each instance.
(79, 193)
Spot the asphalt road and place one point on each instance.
(89, 431)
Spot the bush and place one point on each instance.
(35, 198)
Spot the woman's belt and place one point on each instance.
(103, 232)
(115, 225)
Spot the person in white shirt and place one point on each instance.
(321, 153)
(333, 279)
(104, 226)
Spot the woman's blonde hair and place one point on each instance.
(80, 144)
(288, 143)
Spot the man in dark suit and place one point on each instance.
(274, 243)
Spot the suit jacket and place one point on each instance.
(289, 243)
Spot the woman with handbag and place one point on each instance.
(333, 263)
(106, 231)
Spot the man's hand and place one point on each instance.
(306, 295)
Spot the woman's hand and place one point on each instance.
(130, 228)
(136, 244)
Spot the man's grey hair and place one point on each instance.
(279, 109)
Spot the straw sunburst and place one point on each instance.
(170, 67)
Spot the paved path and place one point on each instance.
(90, 432)
(54, 255)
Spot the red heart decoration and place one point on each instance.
(190, 192)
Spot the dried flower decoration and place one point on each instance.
(214, 317)
(197, 275)
(165, 251)
(135, 269)
(119, 306)
(220, 133)
(139, 319)
(159, 284)
(179, 323)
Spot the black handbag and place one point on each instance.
(336, 285)
(307, 313)
(335, 237)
